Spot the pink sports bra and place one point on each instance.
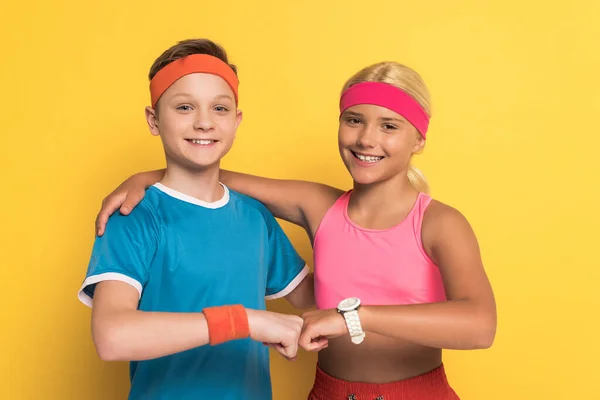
(381, 267)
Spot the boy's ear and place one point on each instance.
(238, 120)
(152, 120)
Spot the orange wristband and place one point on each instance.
(226, 323)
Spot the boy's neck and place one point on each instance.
(201, 184)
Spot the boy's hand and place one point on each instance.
(125, 197)
(280, 331)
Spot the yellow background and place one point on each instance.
(513, 145)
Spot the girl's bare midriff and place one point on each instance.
(377, 359)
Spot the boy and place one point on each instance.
(178, 286)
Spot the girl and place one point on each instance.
(398, 275)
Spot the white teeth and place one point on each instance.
(370, 159)
(202, 141)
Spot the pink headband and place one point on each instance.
(390, 97)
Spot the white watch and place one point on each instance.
(349, 309)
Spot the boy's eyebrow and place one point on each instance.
(182, 94)
(224, 96)
(185, 94)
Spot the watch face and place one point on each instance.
(349, 304)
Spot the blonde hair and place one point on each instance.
(410, 82)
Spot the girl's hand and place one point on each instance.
(125, 197)
(319, 327)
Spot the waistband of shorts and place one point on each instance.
(431, 385)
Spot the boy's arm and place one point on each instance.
(303, 297)
(123, 333)
(288, 275)
(117, 275)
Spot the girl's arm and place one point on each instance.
(299, 202)
(466, 321)
(126, 196)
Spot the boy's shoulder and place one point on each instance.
(145, 211)
(250, 203)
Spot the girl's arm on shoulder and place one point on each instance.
(300, 202)
(126, 196)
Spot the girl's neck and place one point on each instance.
(382, 204)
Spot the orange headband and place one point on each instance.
(194, 63)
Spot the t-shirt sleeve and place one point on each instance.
(286, 268)
(123, 253)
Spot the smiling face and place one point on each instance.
(376, 144)
(197, 119)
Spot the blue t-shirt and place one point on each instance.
(183, 255)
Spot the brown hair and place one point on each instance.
(186, 48)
